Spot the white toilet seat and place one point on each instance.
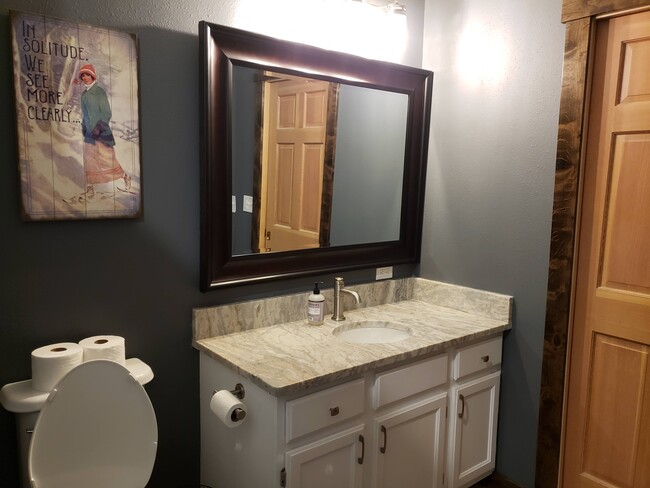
(97, 429)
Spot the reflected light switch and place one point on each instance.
(234, 204)
(248, 204)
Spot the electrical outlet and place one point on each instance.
(248, 204)
(384, 273)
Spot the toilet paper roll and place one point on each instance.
(224, 405)
(104, 347)
(51, 363)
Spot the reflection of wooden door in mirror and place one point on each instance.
(294, 153)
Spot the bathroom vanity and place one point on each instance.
(327, 410)
(405, 391)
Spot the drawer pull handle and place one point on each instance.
(485, 359)
(363, 449)
(383, 448)
(334, 411)
(462, 410)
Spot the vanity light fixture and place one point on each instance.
(374, 29)
(396, 8)
(390, 6)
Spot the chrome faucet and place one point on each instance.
(339, 286)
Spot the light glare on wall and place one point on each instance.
(482, 56)
(342, 25)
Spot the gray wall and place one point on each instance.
(244, 135)
(490, 180)
(63, 281)
(487, 219)
(368, 168)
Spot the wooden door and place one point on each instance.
(607, 434)
(296, 142)
(410, 446)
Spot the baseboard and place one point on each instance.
(496, 480)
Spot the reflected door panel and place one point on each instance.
(294, 140)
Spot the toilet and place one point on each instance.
(96, 428)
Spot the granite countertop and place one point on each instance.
(294, 356)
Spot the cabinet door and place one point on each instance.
(473, 438)
(409, 445)
(335, 461)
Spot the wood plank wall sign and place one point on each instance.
(77, 119)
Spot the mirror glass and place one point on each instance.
(312, 161)
(319, 163)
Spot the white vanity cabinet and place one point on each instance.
(336, 459)
(298, 440)
(474, 405)
(409, 425)
(382, 429)
(396, 440)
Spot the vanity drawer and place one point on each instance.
(324, 408)
(405, 381)
(477, 357)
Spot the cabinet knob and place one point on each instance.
(485, 359)
(334, 411)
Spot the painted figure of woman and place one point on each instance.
(100, 162)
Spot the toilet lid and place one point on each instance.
(97, 428)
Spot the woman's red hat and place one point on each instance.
(89, 70)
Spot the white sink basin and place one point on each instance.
(372, 332)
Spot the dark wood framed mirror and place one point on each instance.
(366, 168)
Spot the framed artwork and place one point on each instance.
(77, 119)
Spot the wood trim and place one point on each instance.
(563, 238)
(257, 167)
(580, 9)
(328, 166)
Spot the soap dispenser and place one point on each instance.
(316, 306)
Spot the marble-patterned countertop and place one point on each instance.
(294, 356)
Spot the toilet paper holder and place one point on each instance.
(237, 414)
(239, 391)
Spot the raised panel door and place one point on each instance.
(475, 406)
(608, 408)
(409, 447)
(333, 462)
